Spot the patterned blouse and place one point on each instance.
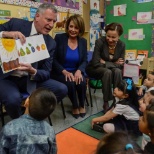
(26, 135)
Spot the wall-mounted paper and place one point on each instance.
(131, 70)
(120, 10)
(135, 34)
(143, 17)
(143, 1)
(94, 4)
(130, 54)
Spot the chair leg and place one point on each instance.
(87, 101)
(90, 95)
(2, 114)
(96, 86)
(62, 106)
(50, 122)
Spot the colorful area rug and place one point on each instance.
(85, 127)
(72, 141)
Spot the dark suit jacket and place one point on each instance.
(43, 66)
(61, 49)
(101, 51)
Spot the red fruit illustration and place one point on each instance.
(38, 48)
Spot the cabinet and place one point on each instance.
(148, 65)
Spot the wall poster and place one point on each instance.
(74, 6)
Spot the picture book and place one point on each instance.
(12, 52)
(130, 54)
(143, 52)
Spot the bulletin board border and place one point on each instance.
(27, 3)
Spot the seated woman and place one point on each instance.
(107, 60)
(70, 61)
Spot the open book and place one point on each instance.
(12, 52)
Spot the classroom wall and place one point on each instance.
(128, 22)
(15, 10)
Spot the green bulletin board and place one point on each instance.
(128, 22)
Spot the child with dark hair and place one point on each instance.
(124, 115)
(148, 83)
(30, 133)
(118, 143)
(145, 101)
(146, 126)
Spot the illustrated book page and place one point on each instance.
(12, 52)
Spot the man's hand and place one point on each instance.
(28, 68)
(14, 35)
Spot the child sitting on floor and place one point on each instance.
(118, 143)
(125, 113)
(148, 83)
(144, 102)
(146, 126)
(30, 133)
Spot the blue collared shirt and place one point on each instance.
(26, 135)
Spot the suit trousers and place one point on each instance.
(108, 77)
(74, 91)
(12, 87)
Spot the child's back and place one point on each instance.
(26, 135)
(30, 133)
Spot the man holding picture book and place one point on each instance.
(30, 76)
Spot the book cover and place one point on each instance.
(130, 54)
(12, 52)
(143, 52)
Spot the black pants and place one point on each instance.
(74, 91)
(108, 77)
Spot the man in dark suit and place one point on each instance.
(30, 76)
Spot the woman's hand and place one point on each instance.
(68, 75)
(14, 35)
(120, 61)
(78, 77)
(102, 61)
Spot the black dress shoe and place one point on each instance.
(76, 116)
(82, 115)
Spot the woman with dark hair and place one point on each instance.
(107, 60)
(70, 60)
